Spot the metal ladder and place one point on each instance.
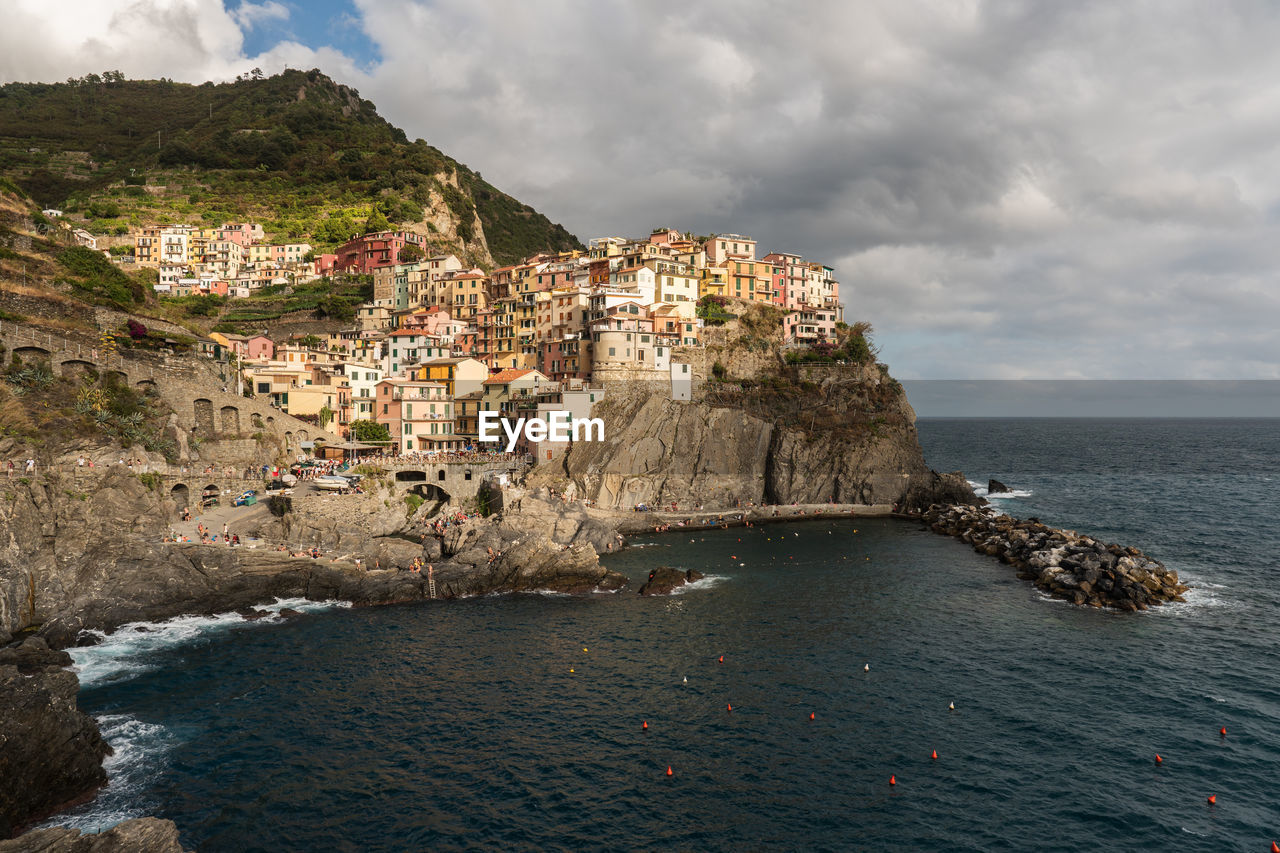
(431, 585)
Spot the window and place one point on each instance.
(613, 351)
(384, 408)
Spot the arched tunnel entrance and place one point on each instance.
(181, 495)
(433, 497)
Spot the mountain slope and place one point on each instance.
(304, 155)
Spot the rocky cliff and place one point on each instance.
(50, 752)
(75, 560)
(846, 434)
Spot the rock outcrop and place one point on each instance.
(664, 580)
(849, 439)
(1063, 563)
(931, 488)
(50, 752)
(78, 561)
(140, 835)
(995, 487)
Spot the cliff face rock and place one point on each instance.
(539, 548)
(50, 752)
(64, 543)
(140, 835)
(73, 561)
(849, 438)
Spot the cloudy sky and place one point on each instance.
(1006, 189)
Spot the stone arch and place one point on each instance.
(29, 353)
(203, 412)
(181, 495)
(288, 439)
(411, 476)
(433, 495)
(256, 420)
(145, 383)
(230, 420)
(302, 435)
(78, 367)
(121, 375)
(270, 420)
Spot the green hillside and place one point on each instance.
(298, 152)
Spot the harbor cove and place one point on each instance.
(839, 427)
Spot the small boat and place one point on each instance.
(331, 483)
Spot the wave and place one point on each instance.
(980, 489)
(141, 752)
(704, 582)
(125, 653)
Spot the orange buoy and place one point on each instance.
(1159, 760)
(721, 658)
(646, 725)
(1275, 848)
(1213, 799)
(730, 706)
(935, 755)
(811, 715)
(669, 773)
(1223, 731)
(893, 780)
(733, 556)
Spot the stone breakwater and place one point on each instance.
(1063, 563)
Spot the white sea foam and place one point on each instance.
(126, 652)
(141, 751)
(705, 582)
(980, 489)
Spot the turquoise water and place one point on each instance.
(461, 726)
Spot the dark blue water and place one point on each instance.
(515, 722)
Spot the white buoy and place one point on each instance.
(866, 667)
(951, 707)
(684, 680)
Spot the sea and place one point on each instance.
(793, 699)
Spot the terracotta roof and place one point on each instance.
(502, 377)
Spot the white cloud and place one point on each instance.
(1005, 188)
(249, 15)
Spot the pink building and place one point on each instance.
(434, 321)
(370, 252)
(245, 234)
(260, 347)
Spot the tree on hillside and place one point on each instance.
(376, 222)
(370, 431)
(410, 253)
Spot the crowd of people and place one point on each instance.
(477, 457)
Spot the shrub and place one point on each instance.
(279, 505)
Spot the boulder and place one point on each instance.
(140, 835)
(50, 752)
(665, 579)
(995, 487)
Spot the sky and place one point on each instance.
(1006, 190)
